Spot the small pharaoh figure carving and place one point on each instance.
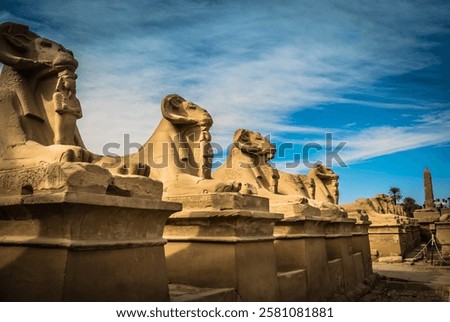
(249, 160)
(31, 65)
(37, 117)
(326, 182)
(310, 186)
(67, 107)
(180, 150)
(206, 151)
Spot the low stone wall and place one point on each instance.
(339, 246)
(235, 242)
(394, 240)
(300, 245)
(425, 217)
(361, 244)
(443, 238)
(82, 247)
(227, 243)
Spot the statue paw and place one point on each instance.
(249, 189)
(139, 169)
(76, 154)
(228, 187)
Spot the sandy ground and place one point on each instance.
(403, 282)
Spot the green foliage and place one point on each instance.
(409, 206)
(394, 193)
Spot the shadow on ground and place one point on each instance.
(403, 282)
(398, 290)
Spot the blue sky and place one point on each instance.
(375, 74)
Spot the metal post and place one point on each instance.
(432, 230)
(432, 248)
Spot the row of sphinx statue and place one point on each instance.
(39, 110)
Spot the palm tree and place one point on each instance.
(409, 206)
(395, 194)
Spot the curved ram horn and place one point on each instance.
(241, 139)
(172, 110)
(15, 38)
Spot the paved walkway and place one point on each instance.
(419, 272)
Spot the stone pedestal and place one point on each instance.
(300, 245)
(394, 239)
(339, 246)
(443, 238)
(224, 240)
(413, 236)
(336, 276)
(361, 244)
(388, 240)
(426, 217)
(70, 246)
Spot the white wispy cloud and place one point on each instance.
(251, 64)
(356, 146)
(377, 141)
(431, 129)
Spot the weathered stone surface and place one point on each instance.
(187, 293)
(380, 210)
(360, 243)
(388, 240)
(443, 238)
(339, 246)
(78, 246)
(391, 259)
(75, 177)
(249, 162)
(390, 231)
(326, 183)
(221, 201)
(86, 227)
(300, 244)
(428, 188)
(138, 186)
(336, 278)
(230, 248)
(69, 229)
(445, 217)
(34, 69)
(426, 216)
(293, 286)
(290, 209)
(179, 151)
(40, 145)
(307, 237)
(358, 261)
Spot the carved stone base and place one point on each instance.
(75, 177)
(333, 251)
(187, 293)
(295, 209)
(393, 240)
(443, 238)
(300, 246)
(339, 245)
(413, 233)
(70, 246)
(227, 245)
(426, 216)
(361, 244)
(221, 201)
